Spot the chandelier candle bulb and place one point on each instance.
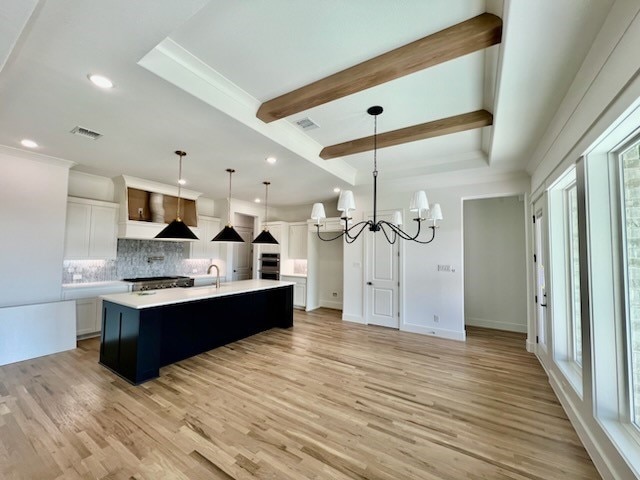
(397, 218)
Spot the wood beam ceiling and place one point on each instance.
(436, 128)
(461, 39)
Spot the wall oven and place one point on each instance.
(270, 266)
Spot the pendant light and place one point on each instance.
(228, 233)
(265, 237)
(177, 229)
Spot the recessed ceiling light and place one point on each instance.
(182, 181)
(100, 81)
(272, 160)
(336, 190)
(257, 200)
(28, 143)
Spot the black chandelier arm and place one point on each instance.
(401, 233)
(327, 239)
(393, 229)
(347, 230)
(433, 236)
(405, 236)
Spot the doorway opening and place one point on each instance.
(242, 261)
(495, 275)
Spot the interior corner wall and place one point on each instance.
(33, 206)
(330, 268)
(495, 263)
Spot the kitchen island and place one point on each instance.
(143, 331)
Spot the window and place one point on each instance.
(630, 163)
(565, 277)
(573, 256)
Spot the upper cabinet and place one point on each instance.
(146, 207)
(204, 248)
(298, 240)
(90, 229)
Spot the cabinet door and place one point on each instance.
(300, 295)
(76, 243)
(204, 248)
(86, 312)
(298, 241)
(102, 237)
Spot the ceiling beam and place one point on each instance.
(436, 128)
(461, 39)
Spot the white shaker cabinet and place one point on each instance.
(298, 240)
(299, 289)
(204, 248)
(90, 229)
(89, 304)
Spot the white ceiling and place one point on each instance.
(228, 57)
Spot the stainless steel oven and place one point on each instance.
(270, 266)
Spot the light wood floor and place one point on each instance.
(324, 400)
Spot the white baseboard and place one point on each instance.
(30, 331)
(434, 332)
(593, 446)
(331, 304)
(483, 322)
(353, 318)
(531, 346)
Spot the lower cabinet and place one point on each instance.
(89, 304)
(88, 319)
(299, 290)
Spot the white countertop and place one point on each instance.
(169, 296)
(299, 275)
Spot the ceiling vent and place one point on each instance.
(85, 132)
(307, 124)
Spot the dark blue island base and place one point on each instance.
(135, 343)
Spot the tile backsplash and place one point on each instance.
(136, 258)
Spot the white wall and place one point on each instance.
(425, 292)
(33, 206)
(495, 290)
(329, 277)
(85, 185)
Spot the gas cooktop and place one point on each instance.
(154, 283)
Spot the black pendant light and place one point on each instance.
(228, 233)
(265, 237)
(177, 229)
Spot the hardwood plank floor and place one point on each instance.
(324, 400)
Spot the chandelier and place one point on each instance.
(391, 230)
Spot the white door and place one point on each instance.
(381, 283)
(540, 263)
(243, 255)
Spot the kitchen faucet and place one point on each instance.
(217, 273)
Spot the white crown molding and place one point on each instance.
(38, 157)
(178, 66)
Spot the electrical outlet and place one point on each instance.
(436, 318)
(77, 276)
